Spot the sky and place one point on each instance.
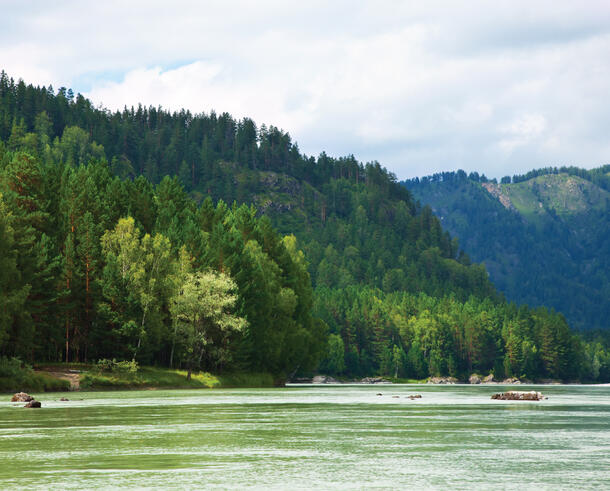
(498, 87)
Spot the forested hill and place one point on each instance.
(543, 236)
(352, 219)
(392, 294)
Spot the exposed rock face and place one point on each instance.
(474, 379)
(518, 396)
(442, 380)
(496, 191)
(489, 379)
(511, 380)
(324, 379)
(22, 397)
(33, 404)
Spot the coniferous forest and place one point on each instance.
(206, 242)
(543, 236)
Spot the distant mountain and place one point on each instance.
(544, 236)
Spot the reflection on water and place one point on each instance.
(309, 437)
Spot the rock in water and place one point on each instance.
(33, 404)
(416, 396)
(64, 399)
(518, 396)
(474, 379)
(22, 397)
(489, 379)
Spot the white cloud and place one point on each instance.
(496, 87)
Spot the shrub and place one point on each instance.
(113, 366)
(12, 367)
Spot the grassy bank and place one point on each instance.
(92, 378)
(17, 377)
(152, 377)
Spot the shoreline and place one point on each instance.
(81, 378)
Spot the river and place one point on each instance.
(323, 437)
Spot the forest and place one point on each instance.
(209, 243)
(547, 244)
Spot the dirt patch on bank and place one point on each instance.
(69, 375)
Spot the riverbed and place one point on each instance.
(305, 436)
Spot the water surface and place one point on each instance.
(335, 436)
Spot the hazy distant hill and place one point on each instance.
(544, 237)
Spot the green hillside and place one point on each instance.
(543, 237)
(112, 223)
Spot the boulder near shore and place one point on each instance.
(374, 380)
(442, 380)
(474, 379)
(22, 397)
(33, 404)
(324, 379)
(519, 396)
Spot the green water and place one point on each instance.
(341, 436)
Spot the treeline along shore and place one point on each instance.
(199, 242)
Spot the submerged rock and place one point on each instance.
(33, 404)
(518, 396)
(22, 397)
(474, 379)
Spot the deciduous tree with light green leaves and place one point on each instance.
(202, 310)
(138, 280)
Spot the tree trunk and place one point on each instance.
(140, 335)
(171, 354)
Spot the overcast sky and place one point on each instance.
(422, 87)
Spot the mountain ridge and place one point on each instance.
(537, 234)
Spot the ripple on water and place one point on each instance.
(310, 437)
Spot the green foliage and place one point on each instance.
(403, 335)
(16, 376)
(11, 367)
(546, 243)
(113, 366)
(99, 234)
(201, 310)
(164, 378)
(334, 360)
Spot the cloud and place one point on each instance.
(496, 87)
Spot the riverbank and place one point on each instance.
(81, 377)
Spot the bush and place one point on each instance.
(16, 376)
(113, 366)
(12, 367)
